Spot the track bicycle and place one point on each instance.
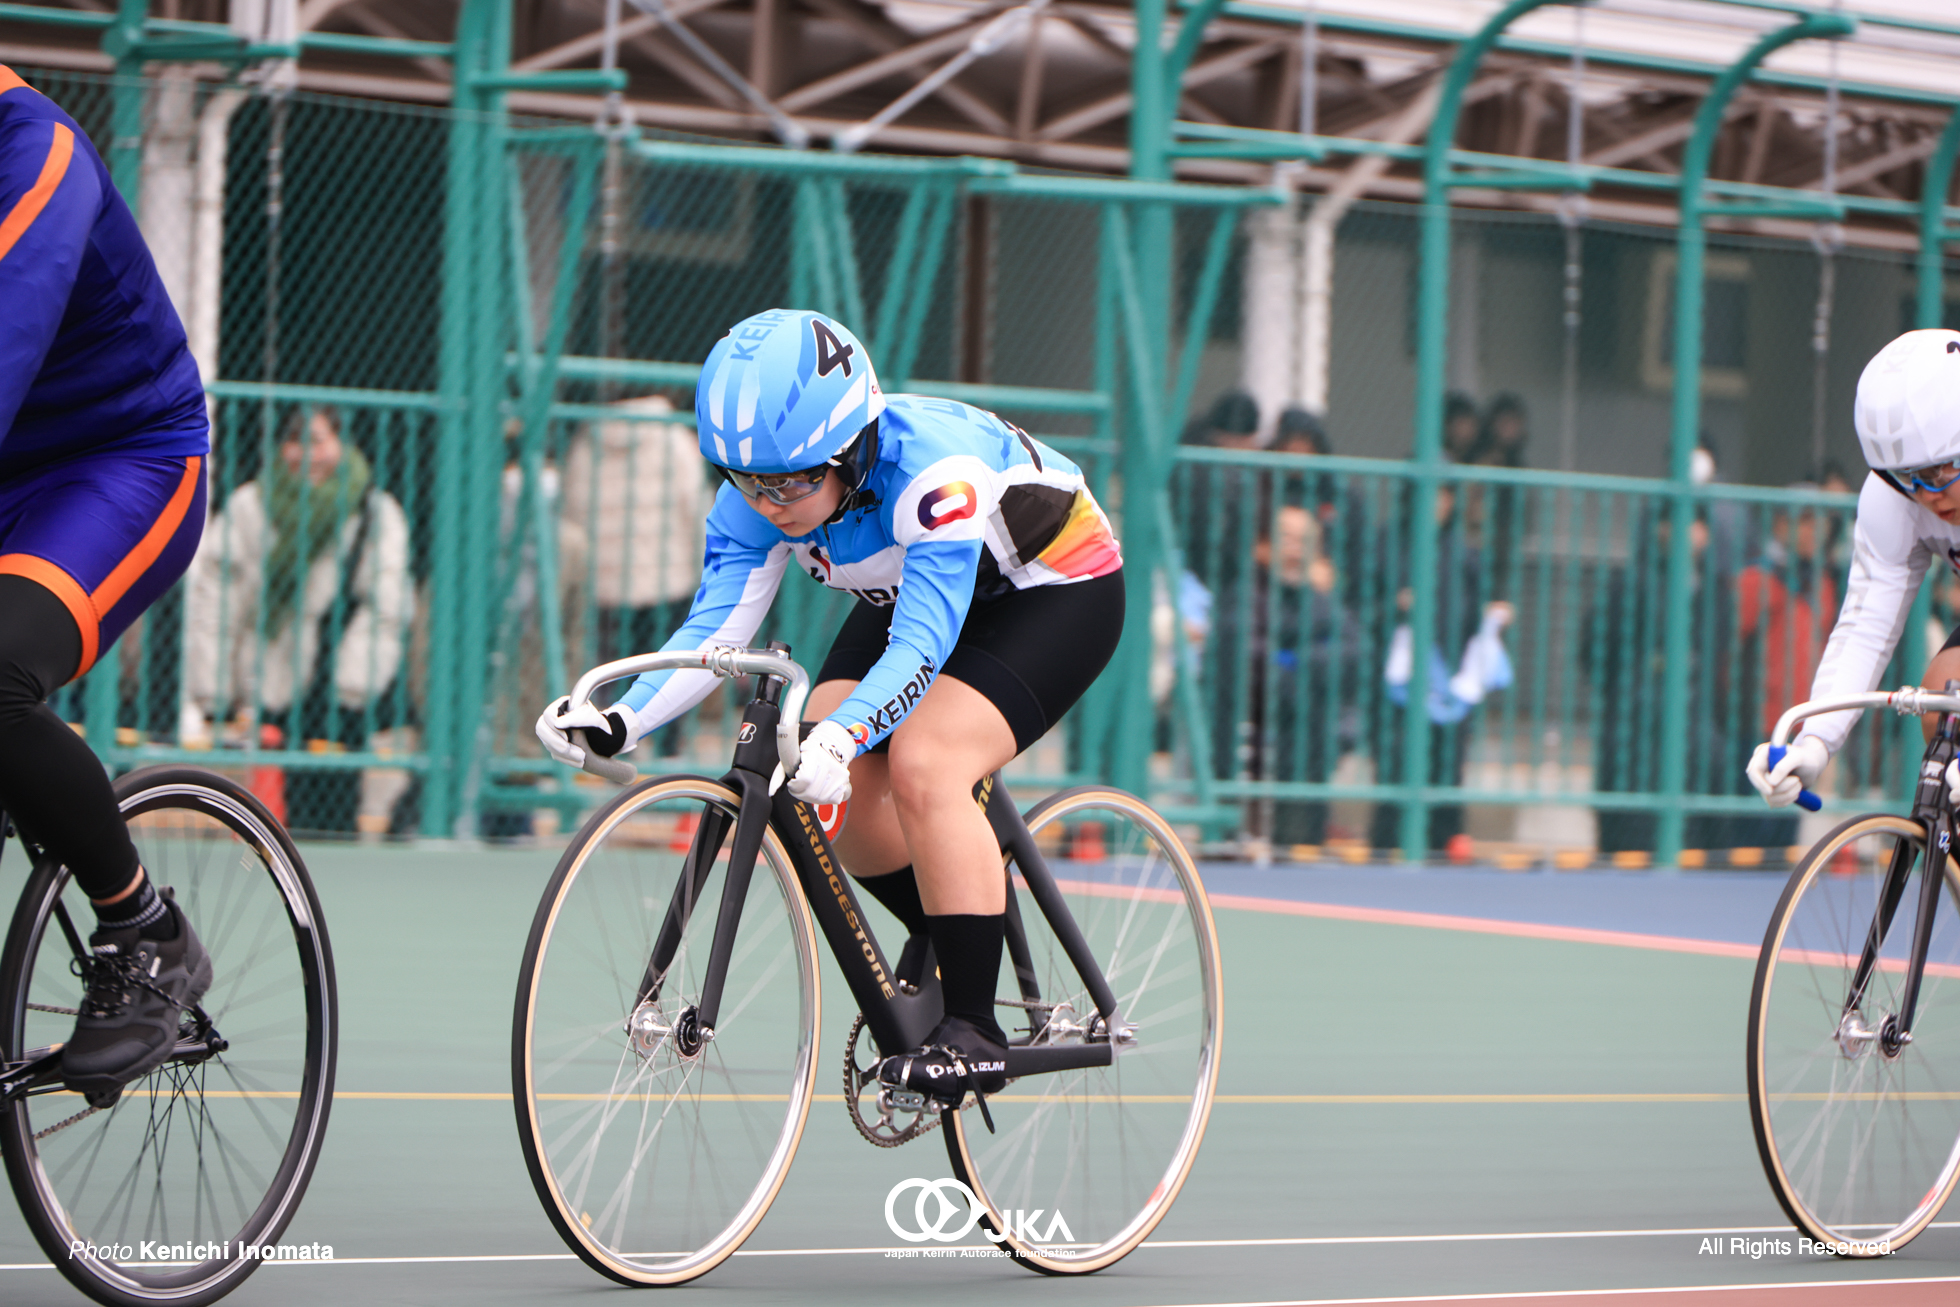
(664, 1048)
(1854, 1019)
(169, 1193)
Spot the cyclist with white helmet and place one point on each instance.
(990, 595)
(1908, 421)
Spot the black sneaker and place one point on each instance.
(137, 988)
(957, 1056)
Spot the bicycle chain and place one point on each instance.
(39, 1135)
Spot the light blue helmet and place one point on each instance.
(783, 391)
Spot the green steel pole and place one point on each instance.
(483, 453)
(102, 688)
(126, 127)
(1432, 318)
(1149, 115)
(1933, 231)
(1692, 245)
(449, 493)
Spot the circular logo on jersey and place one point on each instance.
(860, 733)
(952, 502)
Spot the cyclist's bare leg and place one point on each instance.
(939, 753)
(1944, 666)
(916, 804)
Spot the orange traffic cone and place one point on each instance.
(684, 828)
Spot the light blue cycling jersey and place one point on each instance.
(960, 506)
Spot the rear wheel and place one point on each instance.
(1859, 1134)
(654, 1151)
(210, 1153)
(1085, 1163)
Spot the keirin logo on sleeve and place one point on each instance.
(936, 1218)
(954, 502)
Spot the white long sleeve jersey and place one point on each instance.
(1895, 540)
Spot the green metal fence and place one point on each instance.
(459, 349)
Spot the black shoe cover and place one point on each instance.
(957, 1056)
(137, 989)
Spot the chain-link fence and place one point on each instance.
(451, 362)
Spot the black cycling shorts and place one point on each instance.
(1952, 640)
(1031, 653)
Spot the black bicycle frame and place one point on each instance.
(1932, 811)
(897, 1019)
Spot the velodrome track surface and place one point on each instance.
(1438, 1086)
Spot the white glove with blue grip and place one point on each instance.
(823, 774)
(1803, 762)
(610, 731)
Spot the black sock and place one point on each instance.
(143, 910)
(899, 892)
(969, 949)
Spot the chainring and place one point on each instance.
(882, 1129)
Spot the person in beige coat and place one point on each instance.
(265, 590)
(634, 500)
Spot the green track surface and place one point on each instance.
(427, 944)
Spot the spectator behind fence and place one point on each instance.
(1786, 604)
(1460, 429)
(314, 558)
(1505, 517)
(635, 512)
(1220, 509)
(1620, 642)
(1304, 674)
(1460, 611)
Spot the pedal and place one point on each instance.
(104, 1100)
(903, 1100)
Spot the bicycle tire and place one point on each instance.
(1128, 1133)
(665, 1219)
(1849, 1132)
(253, 1139)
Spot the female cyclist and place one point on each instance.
(1908, 420)
(990, 594)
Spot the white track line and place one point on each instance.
(1327, 1241)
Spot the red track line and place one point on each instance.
(1486, 926)
(1860, 1293)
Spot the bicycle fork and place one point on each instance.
(694, 1026)
(1931, 809)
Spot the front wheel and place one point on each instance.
(1859, 1133)
(175, 1192)
(1087, 1162)
(655, 1147)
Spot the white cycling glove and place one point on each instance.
(1953, 782)
(609, 731)
(823, 775)
(1803, 762)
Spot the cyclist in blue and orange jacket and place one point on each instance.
(103, 439)
(990, 595)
